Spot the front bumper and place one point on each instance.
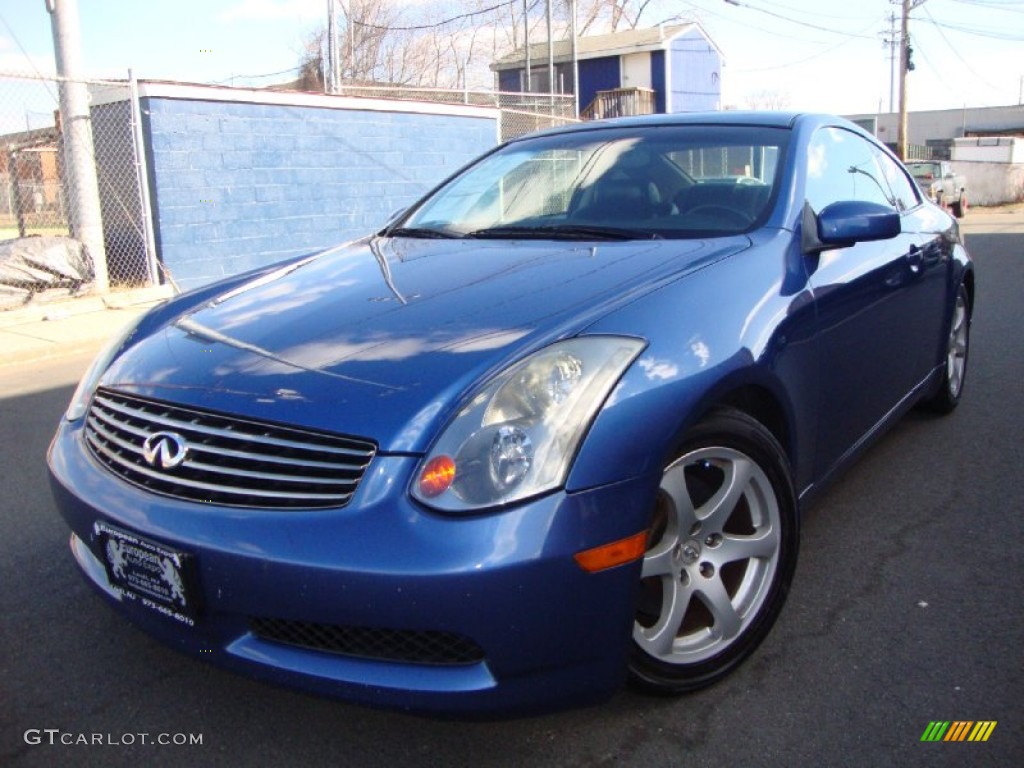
(549, 634)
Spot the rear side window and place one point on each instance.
(904, 192)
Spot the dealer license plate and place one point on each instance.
(143, 570)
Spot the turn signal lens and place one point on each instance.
(437, 476)
(610, 555)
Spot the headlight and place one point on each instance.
(83, 394)
(517, 437)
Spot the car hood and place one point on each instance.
(382, 337)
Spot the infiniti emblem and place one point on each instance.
(165, 449)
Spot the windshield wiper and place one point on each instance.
(422, 232)
(566, 232)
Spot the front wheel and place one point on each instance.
(721, 552)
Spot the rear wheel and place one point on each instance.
(960, 206)
(721, 552)
(947, 396)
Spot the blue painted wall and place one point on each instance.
(658, 73)
(595, 75)
(509, 80)
(696, 74)
(241, 185)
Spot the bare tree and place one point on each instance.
(767, 98)
(312, 64)
(608, 15)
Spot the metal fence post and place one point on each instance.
(142, 172)
(19, 208)
(76, 128)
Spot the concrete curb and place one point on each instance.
(71, 326)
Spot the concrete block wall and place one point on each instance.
(931, 125)
(992, 183)
(241, 179)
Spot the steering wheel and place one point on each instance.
(729, 215)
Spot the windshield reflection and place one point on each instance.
(676, 182)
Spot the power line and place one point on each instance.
(733, 20)
(996, 5)
(957, 53)
(798, 62)
(28, 58)
(460, 17)
(231, 79)
(978, 31)
(804, 11)
(799, 22)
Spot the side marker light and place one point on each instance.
(610, 555)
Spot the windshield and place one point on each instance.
(924, 170)
(624, 183)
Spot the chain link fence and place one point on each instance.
(31, 197)
(521, 113)
(919, 152)
(71, 212)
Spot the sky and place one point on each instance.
(821, 55)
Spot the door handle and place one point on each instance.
(915, 258)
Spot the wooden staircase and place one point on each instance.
(620, 102)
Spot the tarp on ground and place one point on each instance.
(33, 266)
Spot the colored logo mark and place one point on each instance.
(958, 730)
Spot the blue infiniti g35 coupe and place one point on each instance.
(552, 428)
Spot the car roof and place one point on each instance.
(765, 119)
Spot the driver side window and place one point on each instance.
(843, 166)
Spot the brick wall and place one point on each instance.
(241, 179)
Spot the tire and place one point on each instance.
(960, 206)
(722, 549)
(958, 343)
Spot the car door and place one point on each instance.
(868, 298)
(928, 300)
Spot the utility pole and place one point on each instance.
(84, 217)
(351, 41)
(575, 62)
(526, 44)
(551, 58)
(906, 65)
(890, 41)
(332, 48)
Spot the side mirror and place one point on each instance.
(846, 223)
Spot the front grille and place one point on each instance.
(409, 646)
(209, 457)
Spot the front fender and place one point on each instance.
(741, 324)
